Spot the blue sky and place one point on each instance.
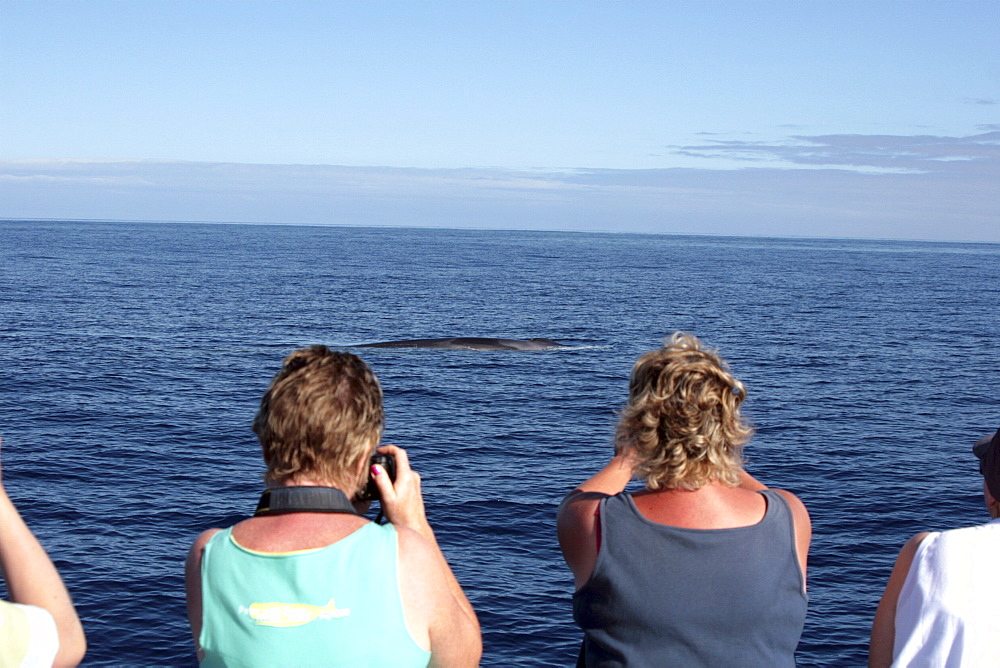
(852, 118)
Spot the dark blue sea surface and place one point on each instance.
(134, 355)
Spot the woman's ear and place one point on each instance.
(361, 467)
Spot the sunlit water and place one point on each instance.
(134, 355)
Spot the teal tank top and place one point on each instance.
(338, 605)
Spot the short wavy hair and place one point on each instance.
(682, 421)
(321, 414)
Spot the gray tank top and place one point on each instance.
(669, 596)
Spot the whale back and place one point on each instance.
(469, 343)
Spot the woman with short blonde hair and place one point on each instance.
(321, 414)
(308, 580)
(705, 566)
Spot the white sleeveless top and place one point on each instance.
(948, 614)
(28, 636)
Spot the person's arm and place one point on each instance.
(192, 585)
(452, 625)
(32, 579)
(610, 480)
(884, 625)
(576, 522)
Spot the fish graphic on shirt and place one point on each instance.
(292, 614)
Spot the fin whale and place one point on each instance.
(470, 343)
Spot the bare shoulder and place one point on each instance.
(421, 583)
(909, 550)
(901, 569)
(438, 614)
(903, 562)
(579, 508)
(793, 501)
(202, 540)
(205, 536)
(576, 525)
(414, 549)
(803, 528)
(579, 496)
(799, 511)
(883, 626)
(423, 574)
(576, 528)
(193, 562)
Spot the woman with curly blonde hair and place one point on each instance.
(704, 567)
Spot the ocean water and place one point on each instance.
(134, 355)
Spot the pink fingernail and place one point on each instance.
(375, 469)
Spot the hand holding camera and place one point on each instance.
(388, 463)
(400, 497)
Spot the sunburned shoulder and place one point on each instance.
(799, 510)
(579, 498)
(198, 548)
(202, 540)
(577, 515)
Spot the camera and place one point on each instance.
(388, 462)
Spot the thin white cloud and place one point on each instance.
(944, 188)
(875, 153)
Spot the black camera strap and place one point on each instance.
(278, 500)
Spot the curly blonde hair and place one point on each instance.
(682, 421)
(321, 414)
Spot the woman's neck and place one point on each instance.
(305, 481)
